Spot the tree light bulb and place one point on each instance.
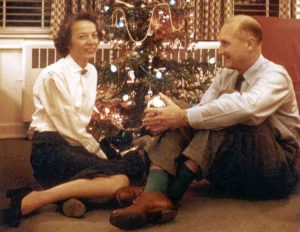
(149, 32)
(158, 75)
(172, 2)
(106, 8)
(212, 60)
(138, 44)
(121, 23)
(150, 92)
(125, 97)
(113, 68)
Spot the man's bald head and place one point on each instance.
(246, 24)
(241, 40)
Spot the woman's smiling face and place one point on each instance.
(84, 41)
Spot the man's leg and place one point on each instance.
(187, 171)
(171, 178)
(196, 160)
(165, 156)
(157, 180)
(245, 161)
(257, 164)
(153, 206)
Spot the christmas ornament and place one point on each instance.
(131, 77)
(156, 102)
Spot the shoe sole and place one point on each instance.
(137, 220)
(11, 218)
(74, 208)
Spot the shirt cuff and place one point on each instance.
(93, 147)
(101, 154)
(193, 117)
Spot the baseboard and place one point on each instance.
(13, 130)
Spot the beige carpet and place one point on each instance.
(200, 210)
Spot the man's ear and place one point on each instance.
(250, 43)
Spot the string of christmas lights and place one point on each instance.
(143, 31)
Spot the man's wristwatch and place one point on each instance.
(185, 118)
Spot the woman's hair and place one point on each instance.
(63, 40)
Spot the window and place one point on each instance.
(298, 9)
(257, 7)
(17, 16)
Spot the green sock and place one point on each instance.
(158, 181)
(180, 183)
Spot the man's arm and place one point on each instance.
(253, 106)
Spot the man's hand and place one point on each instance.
(158, 120)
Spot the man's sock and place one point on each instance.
(158, 181)
(180, 183)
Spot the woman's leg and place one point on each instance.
(54, 161)
(100, 187)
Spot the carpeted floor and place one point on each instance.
(200, 210)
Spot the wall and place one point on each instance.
(17, 76)
(11, 80)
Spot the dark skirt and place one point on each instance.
(54, 161)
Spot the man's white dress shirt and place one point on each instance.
(267, 92)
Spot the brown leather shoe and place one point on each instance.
(148, 208)
(126, 195)
(73, 208)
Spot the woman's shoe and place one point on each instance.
(20, 192)
(13, 215)
(73, 208)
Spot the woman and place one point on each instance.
(67, 161)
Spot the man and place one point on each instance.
(242, 137)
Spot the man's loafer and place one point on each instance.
(126, 195)
(148, 208)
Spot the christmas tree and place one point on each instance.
(144, 33)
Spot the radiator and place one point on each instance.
(38, 55)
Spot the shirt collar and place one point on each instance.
(73, 65)
(253, 69)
